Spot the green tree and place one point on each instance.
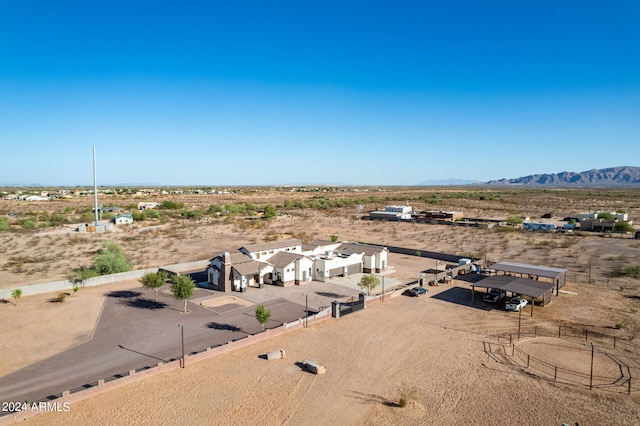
(111, 259)
(154, 280)
(623, 227)
(334, 238)
(369, 282)
(270, 211)
(605, 216)
(263, 315)
(16, 293)
(182, 288)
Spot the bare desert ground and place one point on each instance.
(430, 351)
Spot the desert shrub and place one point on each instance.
(4, 224)
(111, 259)
(57, 219)
(87, 217)
(300, 204)
(270, 211)
(171, 205)
(192, 214)
(139, 216)
(60, 297)
(621, 324)
(632, 271)
(152, 214)
(251, 208)
(28, 224)
(514, 220)
(402, 402)
(214, 209)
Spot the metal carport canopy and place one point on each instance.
(521, 268)
(525, 286)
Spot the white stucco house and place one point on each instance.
(289, 262)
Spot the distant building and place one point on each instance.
(596, 215)
(147, 205)
(597, 225)
(392, 213)
(438, 215)
(123, 219)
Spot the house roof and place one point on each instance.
(252, 248)
(368, 250)
(284, 258)
(234, 257)
(249, 268)
(309, 247)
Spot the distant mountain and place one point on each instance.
(441, 182)
(623, 176)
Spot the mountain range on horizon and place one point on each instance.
(621, 176)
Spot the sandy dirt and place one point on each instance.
(427, 350)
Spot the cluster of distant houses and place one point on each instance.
(290, 262)
(597, 221)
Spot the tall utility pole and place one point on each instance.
(95, 188)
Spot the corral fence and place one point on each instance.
(626, 355)
(90, 388)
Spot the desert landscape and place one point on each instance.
(430, 351)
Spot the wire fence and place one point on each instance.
(587, 278)
(622, 351)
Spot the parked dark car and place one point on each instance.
(418, 291)
(494, 296)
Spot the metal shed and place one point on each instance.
(557, 274)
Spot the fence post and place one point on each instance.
(555, 372)
(586, 335)
(614, 342)
(629, 388)
(535, 331)
(559, 327)
(510, 339)
(527, 360)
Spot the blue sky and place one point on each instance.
(365, 93)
